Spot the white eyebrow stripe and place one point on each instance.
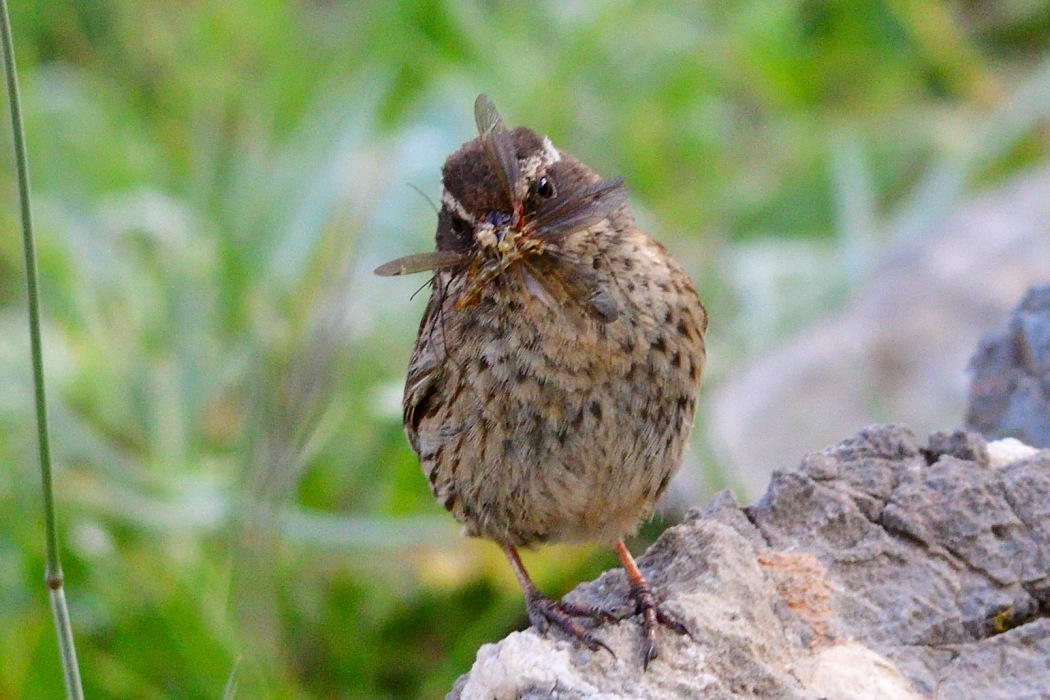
(538, 162)
(452, 203)
(550, 153)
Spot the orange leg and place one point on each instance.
(651, 613)
(544, 612)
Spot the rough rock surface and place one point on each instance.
(1010, 391)
(881, 568)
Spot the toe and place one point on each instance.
(671, 622)
(544, 613)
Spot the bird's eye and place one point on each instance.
(459, 226)
(544, 187)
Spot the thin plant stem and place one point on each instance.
(53, 572)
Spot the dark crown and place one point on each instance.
(468, 175)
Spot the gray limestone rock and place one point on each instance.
(1010, 391)
(881, 568)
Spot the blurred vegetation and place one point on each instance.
(213, 182)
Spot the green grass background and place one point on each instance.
(213, 182)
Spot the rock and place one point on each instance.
(1010, 391)
(900, 344)
(881, 568)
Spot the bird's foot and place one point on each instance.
(544, 613)
(653, 616)
(645, 605)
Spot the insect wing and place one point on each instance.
(499, 148)
(567, 282)
(421, 262)
(487, 116)
(579, 209)
(602, 305)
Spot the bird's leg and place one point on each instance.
(544, 612)
(646, 605)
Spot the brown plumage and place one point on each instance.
(552, 388)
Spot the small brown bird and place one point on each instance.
(553, 385)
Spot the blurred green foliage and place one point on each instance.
(214, 180)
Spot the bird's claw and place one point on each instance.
(544, 612)
(653, 616)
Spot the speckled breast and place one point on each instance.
(537, 422)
